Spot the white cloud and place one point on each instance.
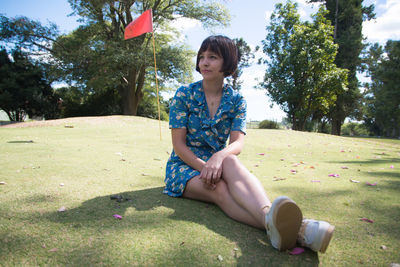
(268, 16)
(303, 14)
(386, 26)
(185, 24)
(302, 2)
(181, 26)
(258, 104)
(250, 77)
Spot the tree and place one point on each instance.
(245, 60)
(382, 98)
(347, 17)
(301, 76)
(24, 89)
(96, 58)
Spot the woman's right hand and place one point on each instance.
(211, 172)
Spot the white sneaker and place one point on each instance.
(283, 222)
(315, 234)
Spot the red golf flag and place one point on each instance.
(143, 24)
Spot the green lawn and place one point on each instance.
(81, 166)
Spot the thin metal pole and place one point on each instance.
(155, 71)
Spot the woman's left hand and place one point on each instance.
(211, 172)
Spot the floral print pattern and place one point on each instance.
(205, 135)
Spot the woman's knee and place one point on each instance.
(232, 166)
(230, 161)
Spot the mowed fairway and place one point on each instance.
(77, 165)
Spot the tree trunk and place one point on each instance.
(9, 115)
(132, 92)
(298, 124)
(336, 20)
(336, 126)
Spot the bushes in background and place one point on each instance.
(268, 124)
(355, 129)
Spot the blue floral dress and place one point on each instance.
(205, 135)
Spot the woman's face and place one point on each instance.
(210, 65)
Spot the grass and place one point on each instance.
(51, 166)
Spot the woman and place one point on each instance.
(202, 167)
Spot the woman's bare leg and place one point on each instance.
(221, 197)
(241, 196)
(245, 188)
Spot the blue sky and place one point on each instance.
(249, 19)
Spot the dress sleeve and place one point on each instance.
(239, 121)
(178, 112)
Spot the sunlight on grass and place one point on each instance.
(48, 167)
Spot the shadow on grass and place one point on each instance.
(21, 142)
(370, 161)
(254, 247)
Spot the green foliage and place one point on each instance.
(149, 108)
(24, 89)
(76, 103)
(27, 33)
(355, 129)
(96, 58)
(347, 17)
(268, 124)
(111, 63)
(301, 76)
(382, 98)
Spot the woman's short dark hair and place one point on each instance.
(223, 47)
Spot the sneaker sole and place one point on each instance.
(327, 238)
(287, 219)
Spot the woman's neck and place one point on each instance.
(213, 87)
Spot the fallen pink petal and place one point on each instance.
(261, 154)
(392, 167)
(369, 184)
(344, 167)
(116, 216)
(296, 251)
(62, 209)
(315, 181)
(367, 220)
(333, 175)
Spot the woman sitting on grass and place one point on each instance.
(202, 117)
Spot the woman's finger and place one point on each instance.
(209, 177)
(219, 175)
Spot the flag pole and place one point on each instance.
(155, 71)
(143, 24)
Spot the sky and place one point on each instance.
(248, 21)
